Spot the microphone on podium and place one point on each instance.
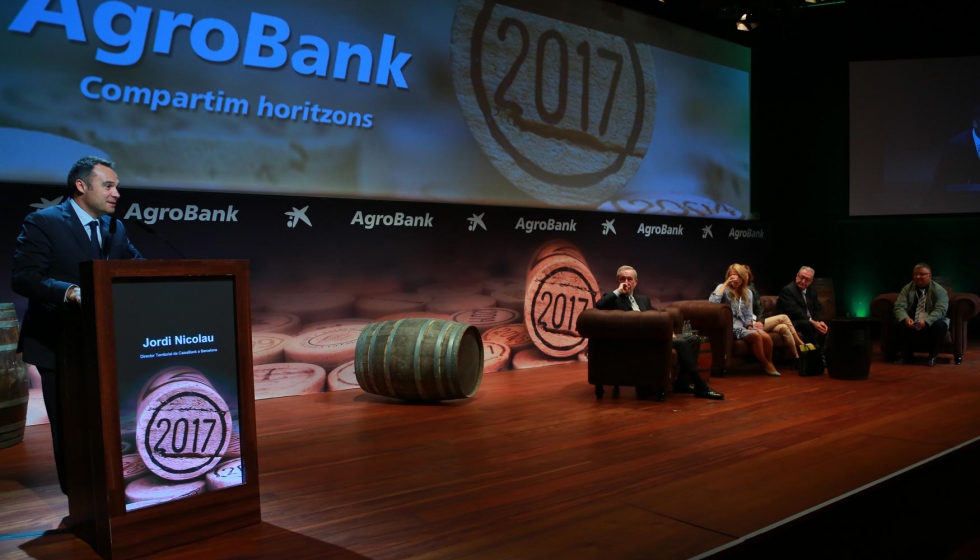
(107, 242)
(153, 231)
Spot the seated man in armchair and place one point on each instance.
(799, 301)
(686, 345)
(920, 311)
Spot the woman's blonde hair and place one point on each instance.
(742, 292)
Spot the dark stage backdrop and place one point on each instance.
(322, 268)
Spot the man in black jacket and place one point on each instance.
(799, 301)
(51, 244)
(686, 345)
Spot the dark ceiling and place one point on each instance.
(937, 27)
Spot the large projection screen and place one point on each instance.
(915, 137)
(525, 103)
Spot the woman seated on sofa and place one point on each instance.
(779, 324)
(735, 292)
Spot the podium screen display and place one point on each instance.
(176, 366)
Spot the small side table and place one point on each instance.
(849, 348)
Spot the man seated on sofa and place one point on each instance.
(920, 311)
(799, 301)
(686, 345)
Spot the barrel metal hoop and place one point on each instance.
(15, 402)
(416, 365)
(452, 356)
(391, 337)
(370, 364)
(8, 347)
(439, 361)
(15, 427)
(360, 355)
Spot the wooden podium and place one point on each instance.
(158, 372)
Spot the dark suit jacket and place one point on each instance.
(51, 244)
(791, 303)
(611, 301)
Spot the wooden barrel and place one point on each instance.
(13, 385)
(7, 311)
(419, 359)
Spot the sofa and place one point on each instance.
(714, 321)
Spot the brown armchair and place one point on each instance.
(631, 349)
(962, 308)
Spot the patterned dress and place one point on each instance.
(741, 311)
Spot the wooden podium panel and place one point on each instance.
(107, 360)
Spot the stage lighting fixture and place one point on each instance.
(746, 23)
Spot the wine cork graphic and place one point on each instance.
(268, 348)
(452, 288)
(342, 378)
(327, 348)
(320, 325)
(674, 205)
(496, 357)
(452, 304)
(133, 467)
(559, 287)
(311, 307)
(284, 323)
(511, 298)
(387, 304)
(513, 336)
(169, 375)
(415, 315)
(532, 358)
(152, 488)
(228, 473)
(550, 249)
(183, 425)
(366, 287)
(286, 379)
(564, 112)
(487, 318)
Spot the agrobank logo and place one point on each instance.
(189, 213)
(398, 219)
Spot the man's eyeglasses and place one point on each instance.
(806, 279)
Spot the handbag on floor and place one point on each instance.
(811, 360)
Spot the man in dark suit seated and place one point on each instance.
(686, 345)
(920, 311)
(51, 244)
(799, 301)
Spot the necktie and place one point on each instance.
(94, 236)
(806, 304)
(920, 309)
(634, 304)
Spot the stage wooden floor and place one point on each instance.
(535, 467)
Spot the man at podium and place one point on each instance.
(51, 244)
